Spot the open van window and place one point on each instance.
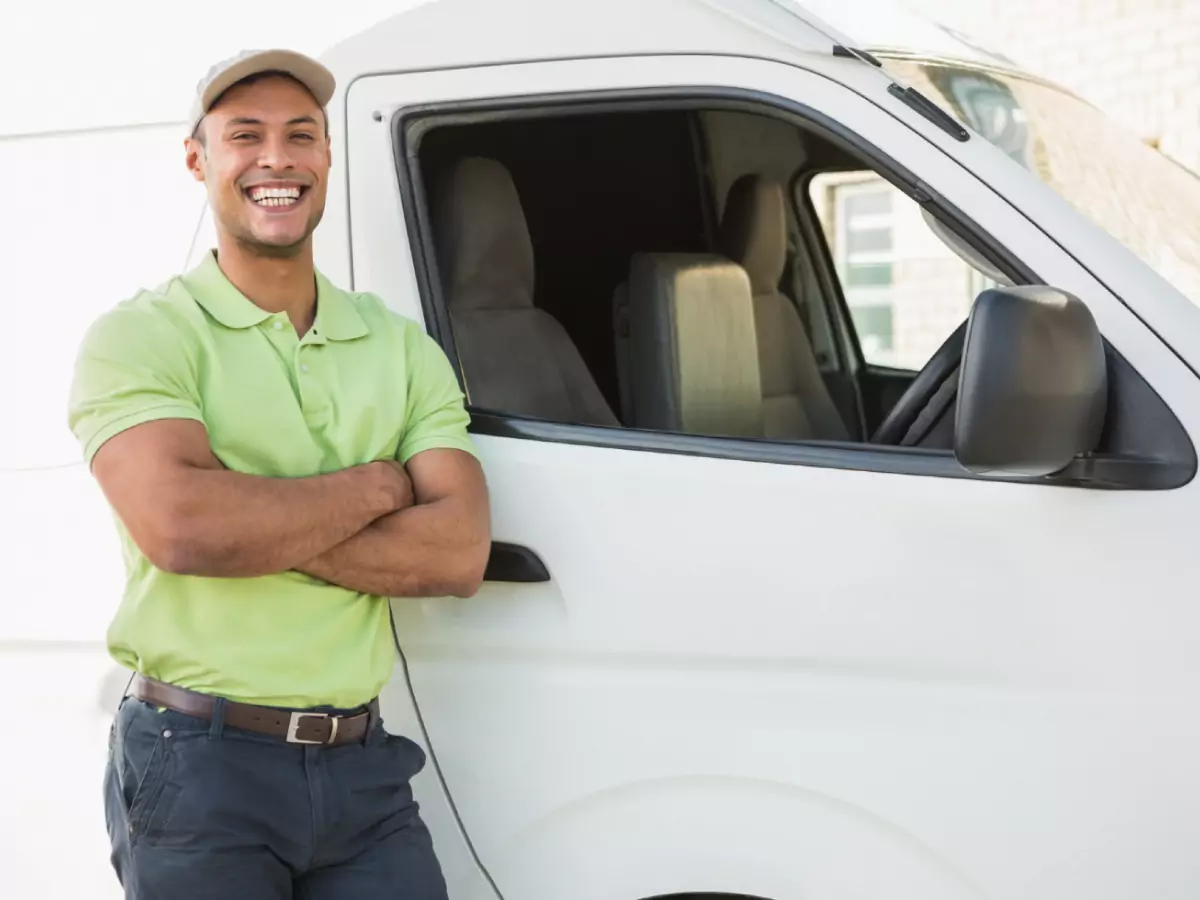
(1139, 196)
(708, 276)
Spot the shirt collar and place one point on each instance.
(337, 318)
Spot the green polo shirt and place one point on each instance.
(363, 384)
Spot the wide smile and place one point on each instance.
(276, 198)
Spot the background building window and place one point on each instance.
(864, 254)
(906, 290)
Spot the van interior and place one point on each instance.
(720, 270)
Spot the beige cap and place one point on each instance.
(224, 75)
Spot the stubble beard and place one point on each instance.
(251, 245)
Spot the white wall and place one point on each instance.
(81, 64)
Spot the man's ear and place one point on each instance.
(195, 157)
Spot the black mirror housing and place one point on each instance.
(1033, 384)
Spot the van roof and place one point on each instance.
(458, 33)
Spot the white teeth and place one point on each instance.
(264, 196)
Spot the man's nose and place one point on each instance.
(276, 153)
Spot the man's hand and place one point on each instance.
(402, 484)
(191, 516)
(438, 547)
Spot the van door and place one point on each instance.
(785, 670)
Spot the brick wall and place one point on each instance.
(1138, 60)
(931, 290)
(930, 297)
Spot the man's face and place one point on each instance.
(264, 159)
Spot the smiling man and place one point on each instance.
(281, 456)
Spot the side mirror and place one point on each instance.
(1033, 383)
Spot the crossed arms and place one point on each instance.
(379, 528)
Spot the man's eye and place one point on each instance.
(303, 136)
(244, 135)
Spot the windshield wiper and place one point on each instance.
(930, 110)
(855, 53)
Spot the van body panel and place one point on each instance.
(714, 622)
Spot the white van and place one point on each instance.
(838, 398)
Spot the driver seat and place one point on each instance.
(796, 403)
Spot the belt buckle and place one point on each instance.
(294, 725)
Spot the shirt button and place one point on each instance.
(278, 326)
(303, 367)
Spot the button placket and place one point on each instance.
(306, 373)
(278, 331)
(303, 351)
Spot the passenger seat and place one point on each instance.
(516, 358)
(796, 403)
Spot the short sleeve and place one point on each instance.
(132, 367)
(435, 414)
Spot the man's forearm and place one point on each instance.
(228, 524)
(432, 550)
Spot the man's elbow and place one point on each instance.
(176, 557)
(467, 577)
(174, 546)
(462, 575)
(471, 581)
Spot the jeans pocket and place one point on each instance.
(147, 786)
(152, 829)
(145, 768)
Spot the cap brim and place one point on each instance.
(314, 76)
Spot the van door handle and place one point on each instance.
(514, 563)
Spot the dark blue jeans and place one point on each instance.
(196, 810)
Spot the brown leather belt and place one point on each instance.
(299, 727)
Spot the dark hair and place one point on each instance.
(199, 134)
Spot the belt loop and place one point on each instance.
(217, 726)
(372, 719)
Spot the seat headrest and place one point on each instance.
(754, 230)
(484, 250)
(693, 351)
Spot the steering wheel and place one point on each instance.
(927, 399)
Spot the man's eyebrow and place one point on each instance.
(247, 120)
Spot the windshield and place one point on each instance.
(1139, 196)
